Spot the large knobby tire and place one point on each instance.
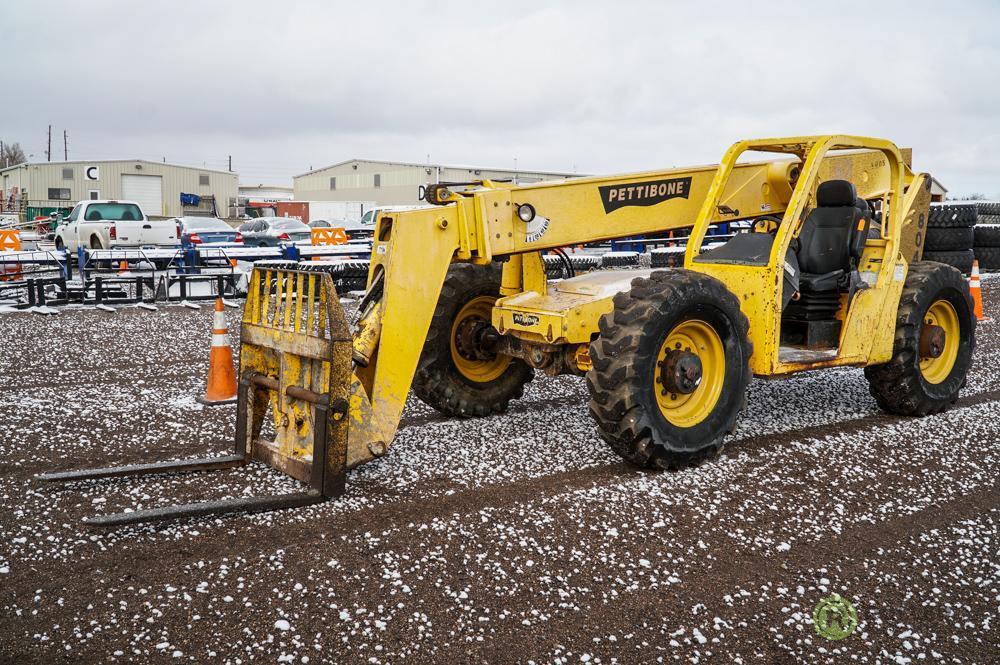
(584, 263)
(948, 239)
(673, 311)
(911, 385)
(989, 258)
(447, 380)
(987, 235)
(990, 208)
(951, 215)
(555, 267)
(667, 257)
(620, 260)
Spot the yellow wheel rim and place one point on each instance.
(701, 339)
(942, 313)
(474, 369)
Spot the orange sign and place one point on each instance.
(335, 236)
(10, 240)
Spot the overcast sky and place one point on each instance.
(598, 87)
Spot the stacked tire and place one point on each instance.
(556, 268)
(620, 260)
(584, 262)
(987, 236)
(950, 235)
(667, 257)
(988, 211)
(347, 275)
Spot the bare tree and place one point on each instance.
(12, 154)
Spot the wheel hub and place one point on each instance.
(938, 344)
(680, 372)
(932, 341)
(476, 339)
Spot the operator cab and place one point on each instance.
(827, 250)
(820, 267)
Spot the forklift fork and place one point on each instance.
(294, 332)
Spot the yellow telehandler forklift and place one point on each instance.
(458, 309)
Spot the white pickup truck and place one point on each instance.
(112, 225)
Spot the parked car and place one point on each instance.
(274, 231)
(207, 231)
(112, 225)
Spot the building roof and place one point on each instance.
(937, 187)
(123, 161)
(431, 166)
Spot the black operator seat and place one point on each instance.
(832, 237)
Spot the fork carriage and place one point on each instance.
(295, 361)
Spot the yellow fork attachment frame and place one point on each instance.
(295, 360)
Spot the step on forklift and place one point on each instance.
(458, 309)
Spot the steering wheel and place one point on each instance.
(768, 224)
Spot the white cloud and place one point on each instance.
(602, 87)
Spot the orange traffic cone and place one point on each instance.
(122, 267)
(976, 290)
(221, 374)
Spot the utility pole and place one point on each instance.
(65, 147)
(3, 156)
(48, 151)
(230, 163)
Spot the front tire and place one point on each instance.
(913, 383)
(676, 318)
(452, 376)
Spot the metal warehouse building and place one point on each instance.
(395, 183)
(36, 188)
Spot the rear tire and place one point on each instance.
(642, 421)
(445, 379)
(909, 385)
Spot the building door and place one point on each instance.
(146, 190)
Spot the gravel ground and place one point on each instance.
(516, 538)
